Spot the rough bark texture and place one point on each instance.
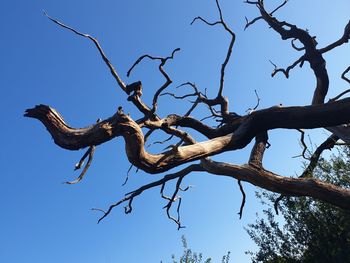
(234, 132)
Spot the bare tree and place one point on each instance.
(233, 131)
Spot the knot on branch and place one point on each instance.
(135, 87)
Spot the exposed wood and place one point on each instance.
(233, 131)
(307, 117)
(281, 184)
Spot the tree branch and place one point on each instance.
(344, 39)
(129, 197)
(90, 152)
(240, 213)
(100, 50)
(289, 68)
(219, 98)
(326, 145)
(257, 153)
(312, 54)
(343, 76)
(330, 114)
(285, 185)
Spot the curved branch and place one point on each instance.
(90, 152)
(295, 47)
(100, 50)
(222, 101)
(344, 39)
(119, 124)
(326, 145)
(288, 69)
(135, 87)
(129, 197)
(312, 54)
(240, 213)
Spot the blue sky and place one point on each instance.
(44, 220)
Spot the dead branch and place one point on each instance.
(312, 54)
(302, 141)
(173, 199)
(295, 47)
(127, 175)
(90, 152)
(326, 145)
(100, 50)
(258, 150)
(339, 96)
(233, 132)
(257, 3)
(306, 117)
(250, 110)
(129, 197)
(279, 184)
(240, 213)
(342, 40)
(219, 98)
(343, 76)
(288, 69)
(126, 88)
(168, 81)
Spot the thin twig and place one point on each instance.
(131, 195)
(240, 213)
(344, 73)
(97, 44)
(289, 68)
(127, 175)
(90, 152)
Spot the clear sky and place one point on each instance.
(44, 220)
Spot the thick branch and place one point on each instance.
(119, 124)
(285, 185)
(258, 150)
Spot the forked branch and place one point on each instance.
(129, 197)
(344, 75)
(233, 132)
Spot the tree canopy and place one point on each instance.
(311, 231)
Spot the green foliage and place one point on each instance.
(189, 256)
(309, 230)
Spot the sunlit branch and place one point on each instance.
(90, 152)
